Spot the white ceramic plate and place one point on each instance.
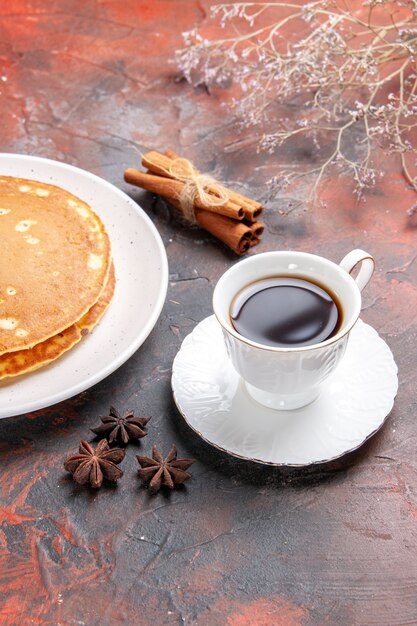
(352, 406)
(141, 283)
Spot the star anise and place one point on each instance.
(121, 428)
(91, 465)
(167, 472)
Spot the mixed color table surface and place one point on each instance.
(92, 83)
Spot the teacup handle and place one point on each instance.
(352, 259)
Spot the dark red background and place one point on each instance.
(90, 82)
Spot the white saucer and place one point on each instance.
(352, 406)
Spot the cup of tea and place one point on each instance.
(286, 318)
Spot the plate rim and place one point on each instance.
(282, 464)
(115, 363)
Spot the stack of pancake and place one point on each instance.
(56, 273)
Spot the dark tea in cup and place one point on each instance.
(286, 312)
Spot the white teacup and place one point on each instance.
(289, 378)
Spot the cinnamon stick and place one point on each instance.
(257, 228)
(160, 164)
(251, 208)
(236, 235)
(239, 198)
(234, 221)
(171, 188)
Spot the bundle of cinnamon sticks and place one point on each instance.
(229, 216)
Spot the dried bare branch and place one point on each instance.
(352, 75)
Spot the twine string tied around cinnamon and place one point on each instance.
(195, 186)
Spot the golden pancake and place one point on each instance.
(23, 361)
(54, 261)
